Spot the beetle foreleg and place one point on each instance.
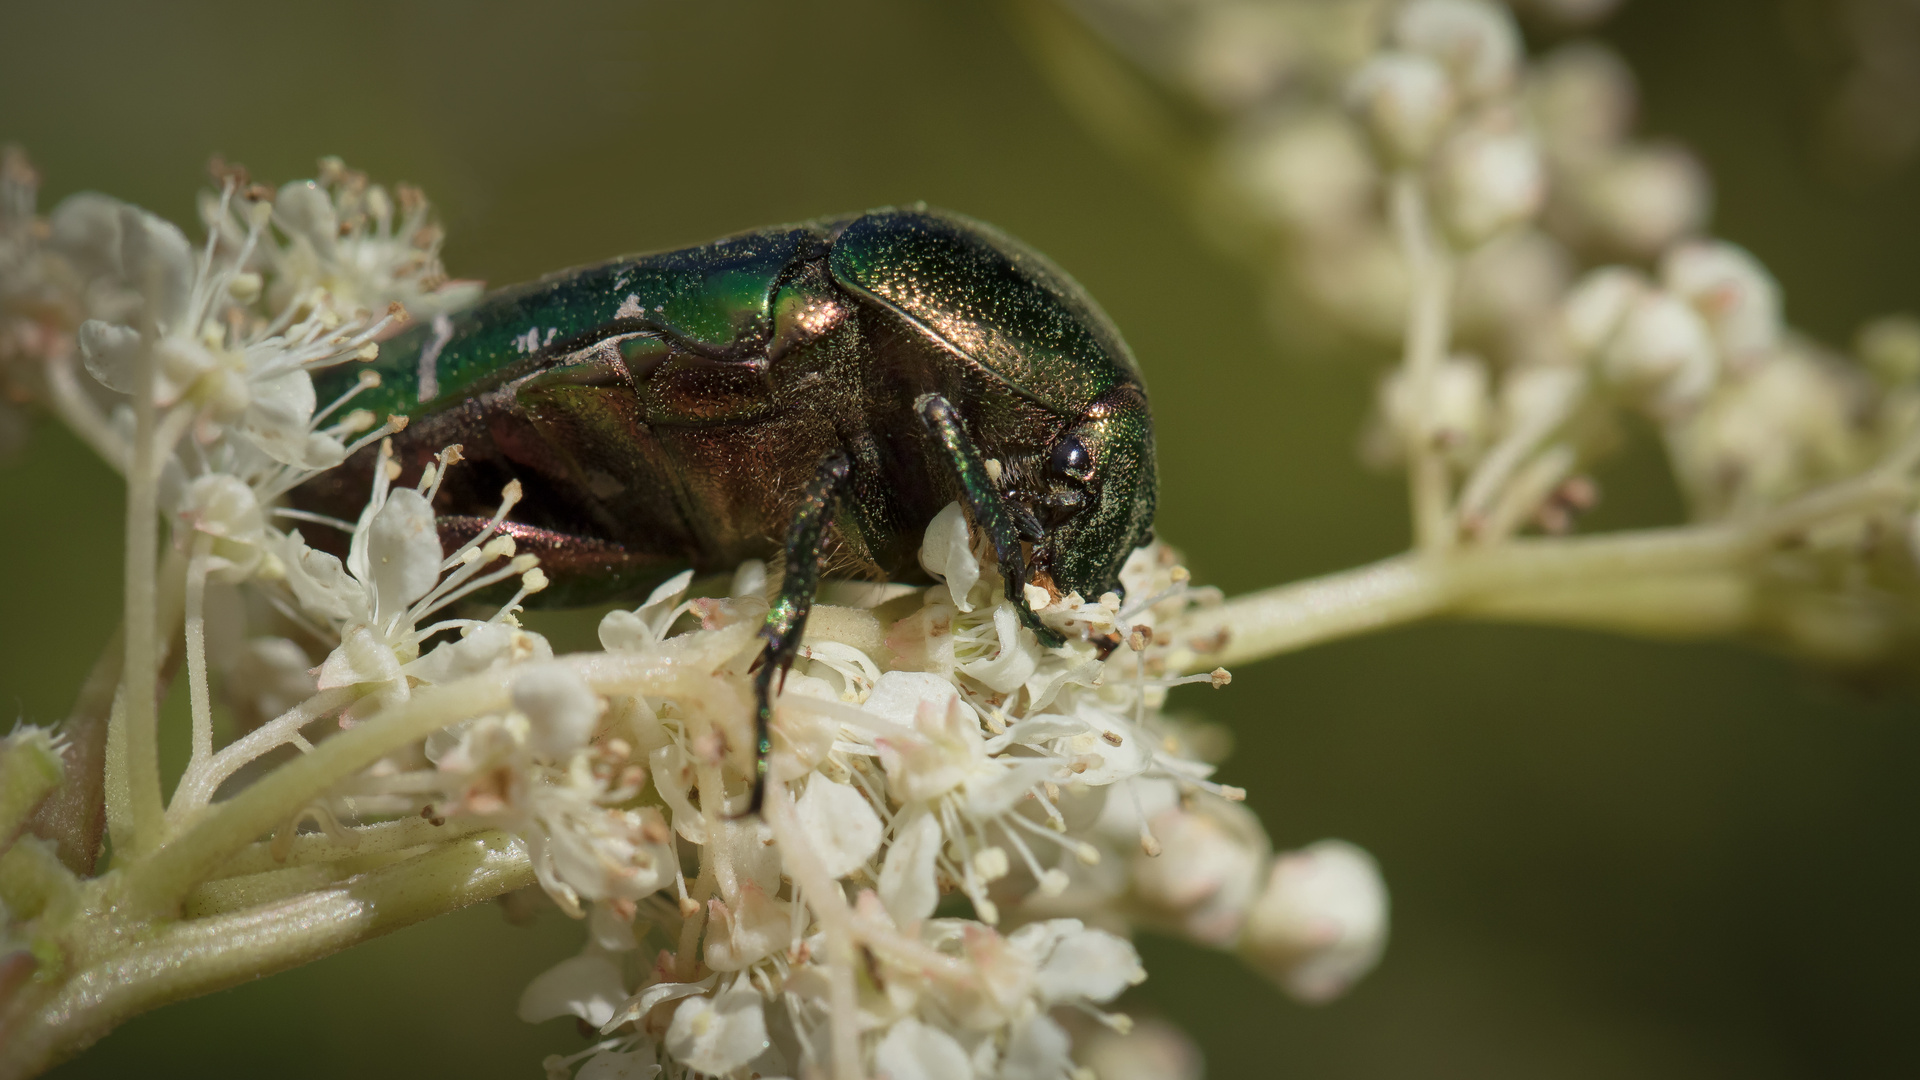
(983, 500)
(787, 618)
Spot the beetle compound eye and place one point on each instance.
(1071, 458)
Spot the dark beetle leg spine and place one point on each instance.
(787, 618)
(983, 499)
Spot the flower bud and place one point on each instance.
(1405, 102)
(561, 709)
(1321, 921)
(1307, 173)
(1581, 96)
(1207, 870)
(1511, 280)
(1890, 345)
(1153, 1050)
(1641, 201)
(1455, 414)
(1488, 181)
(1476, 41)
(1663, 350)
(1725, 283)
(1597, 304)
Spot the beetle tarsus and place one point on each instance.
(989, 510)
(787, 618)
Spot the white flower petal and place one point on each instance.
(112, 354)
(1088, 965)
(844, 829)
(279, 411)
(305, 211)
(907, 886)
(718, 1034)
(403, 552)
(1039, 1050)
(650, 997)
(587, 986)
(916, 1051)
(947, 554)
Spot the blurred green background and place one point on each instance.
(1607, 858)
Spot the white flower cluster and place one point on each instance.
(1422, 181)
(962, 825)
(938, 754)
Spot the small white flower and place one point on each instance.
(1321, 921)
(916, 1051)
(1476, 40)
(719, 1034)
(1406, 102)
(1663, 352)
(1738, 297)
(1489, 179)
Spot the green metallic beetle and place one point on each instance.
(822, 389)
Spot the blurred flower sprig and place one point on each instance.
(1406, 175)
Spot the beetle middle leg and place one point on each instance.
(787, 618)
(989, 511)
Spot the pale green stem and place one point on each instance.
(1571, 580)
(198, 786)
(1430, 302)
(136, 715)
(197, 957)
(196, 638)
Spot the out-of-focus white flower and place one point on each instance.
(1582, 100)
(1663, 352)
(1307, 172)
(1512, 281)
(912, 1050)
(1153, 1050)
(1475, 40)
(1206, 870)
(1452, 415)
(1739, 299)
(1488, 179)
(719, 1034)
(1598, 304)
(1321, 921)
(251, 373)
(1405, 101)
(354, 240)
(1890, 345)
(1640, 200)
(1768, 432)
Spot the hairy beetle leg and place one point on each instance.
(787, 618)
(983, 500)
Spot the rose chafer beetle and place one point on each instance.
(820, 389)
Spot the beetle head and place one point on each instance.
(1096, 494)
